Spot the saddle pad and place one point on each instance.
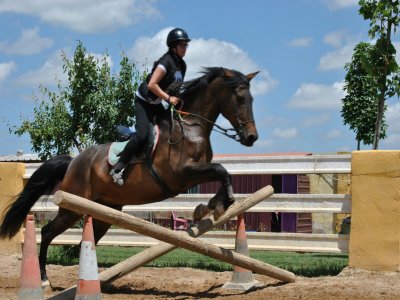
(114, 150)
(117, 147)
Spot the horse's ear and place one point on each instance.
(228, 73)
(252, 75)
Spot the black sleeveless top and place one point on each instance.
(170, 83)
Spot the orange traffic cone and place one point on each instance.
(30, 284)
(242, 279)
(88, 286)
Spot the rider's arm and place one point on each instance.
(154, 87)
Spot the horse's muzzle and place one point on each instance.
(248, 138)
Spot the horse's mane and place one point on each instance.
(193, 86)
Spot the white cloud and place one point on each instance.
(6, 69)
(30, 42)
(397, 46)
(88, 16)
(203, 53)
(334, 133)
(301, 42)
(316, 120)
(285, 133)
(340, 4)
(337, 58)
(52, 70)
(337, 38)
(392, 141)
(45, 75)
(100, 57)
(392, 117)
(317, 96)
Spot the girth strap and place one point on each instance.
(158, 179)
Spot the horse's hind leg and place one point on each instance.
(64, 220)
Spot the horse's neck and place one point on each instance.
(205, 107)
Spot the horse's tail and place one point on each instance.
(43, 180)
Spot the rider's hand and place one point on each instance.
(174, 100)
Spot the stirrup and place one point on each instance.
(117, 175)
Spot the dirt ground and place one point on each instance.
(186, 283)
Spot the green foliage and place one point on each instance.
(64, 255)
(359, 104)
(384, 16)
(87, 110)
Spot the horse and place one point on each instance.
(181, 160)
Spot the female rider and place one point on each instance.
(162, 84)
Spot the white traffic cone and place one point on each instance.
(242, 279)
(30, 284)
(88, 287)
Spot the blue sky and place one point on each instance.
(299, 47)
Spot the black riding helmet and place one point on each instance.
(176, 35)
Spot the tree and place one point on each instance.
(359, 104)
(87, 110)
(384, 19)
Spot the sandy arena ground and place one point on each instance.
(186, 283)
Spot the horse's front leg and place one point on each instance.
(219, 203)
(206, 172)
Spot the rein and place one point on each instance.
(221, 130)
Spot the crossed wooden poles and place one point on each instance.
(170, 239)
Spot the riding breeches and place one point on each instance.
(145, 114)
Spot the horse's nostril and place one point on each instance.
(252, 138)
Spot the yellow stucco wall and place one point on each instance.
(322, 184)
(329, 184)
(11, 184)
(375, 218)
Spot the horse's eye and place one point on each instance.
(240, 99)
(241, 92)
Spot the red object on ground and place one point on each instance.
(30, 284)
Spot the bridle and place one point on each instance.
(224, 131)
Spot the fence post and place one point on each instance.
(375, 216)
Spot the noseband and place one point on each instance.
(239, 129)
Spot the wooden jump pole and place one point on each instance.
(179, 239)
(125, 267)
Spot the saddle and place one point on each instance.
(125, 134)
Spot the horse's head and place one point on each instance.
(237, 105)
(226, 92)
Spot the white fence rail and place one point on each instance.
(299, 242)
(334, 203)
(313, 164)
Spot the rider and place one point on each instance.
(160, 86)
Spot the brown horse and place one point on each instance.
(181, 160)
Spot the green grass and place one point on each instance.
(302, 264)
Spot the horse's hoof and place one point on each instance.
(46, 286)
(200, 211)
(218, 211)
